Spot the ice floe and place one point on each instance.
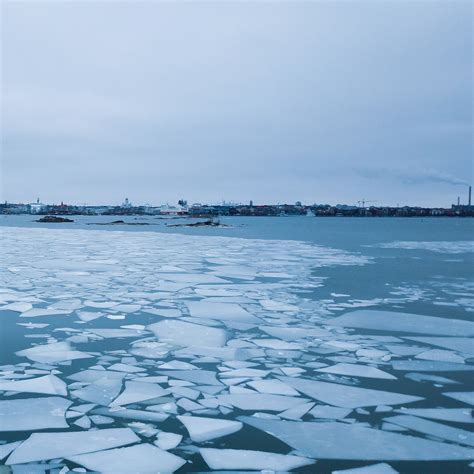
(28, 414)
(403, 322)
(140, 458)
(252, 460)
(336, 440)
(204, 429)
(48, 385)
(346, 396)
(44, 446)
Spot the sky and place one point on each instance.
(321, 102)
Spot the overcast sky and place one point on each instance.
(275, 102)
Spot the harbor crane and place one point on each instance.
(363, 202)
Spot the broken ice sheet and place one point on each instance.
(459, 415)
(252, 460)
(433, 428)
(276, 387)
(220, 311)
(139, 458)
(138, 392)
(465, 397)
(28, 414)
(346, 396)
(261, 401)
(52, 353)
(44, 446)
(381, 468)
(182, 333)
(47, 385)
(103, 391)
(403, 322)
(204, 429)
(355, 370)
(6, 449)
(335, 440)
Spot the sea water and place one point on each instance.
(298, 343)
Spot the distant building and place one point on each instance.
(37, 207)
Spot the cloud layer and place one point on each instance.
(319, 102)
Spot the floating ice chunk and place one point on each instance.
(403, 322)
(298, 412)
(83, 422)
(181, 333)
(89, 315)
(458, 415)
(292, 333)
(30, 325)
(127, 308)
(111, 333)
(165, 313)
(17, 307)
(52, 353)
(417, 377)
(6, 449)
(204, 429)
(244, 373)
(334, 440)
(354, 370)
(430, 366)
(404, 350)
(328, 412)
(252, 460)
(277, 344)
(91, 375)
(131, 369)
(47, 385)
(128, 414)
(220, 311)
(347, 396)
(276, 387)
(261, 401)
(178, 365)
(44, 446)
(465, 397)
(102, 391)
(441, 355)
(101, 420)
(166, 441)
(381, 468)
(272, 305)
(140, 458)
(27, 414)
(100, 304)
(459, 344)
(35, 312)
(433, 428)
(138, 392)
(206, 377)
(189, 405)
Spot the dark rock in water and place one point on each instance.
(209, 223)
(119, 222)
(54, 219)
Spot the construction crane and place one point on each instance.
(363, 202)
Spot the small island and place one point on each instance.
(54, 220)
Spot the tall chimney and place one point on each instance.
(469, 200)
(459, 200)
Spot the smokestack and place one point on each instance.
(459, 200)
(469, 200)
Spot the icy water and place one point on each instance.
(277, 344)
